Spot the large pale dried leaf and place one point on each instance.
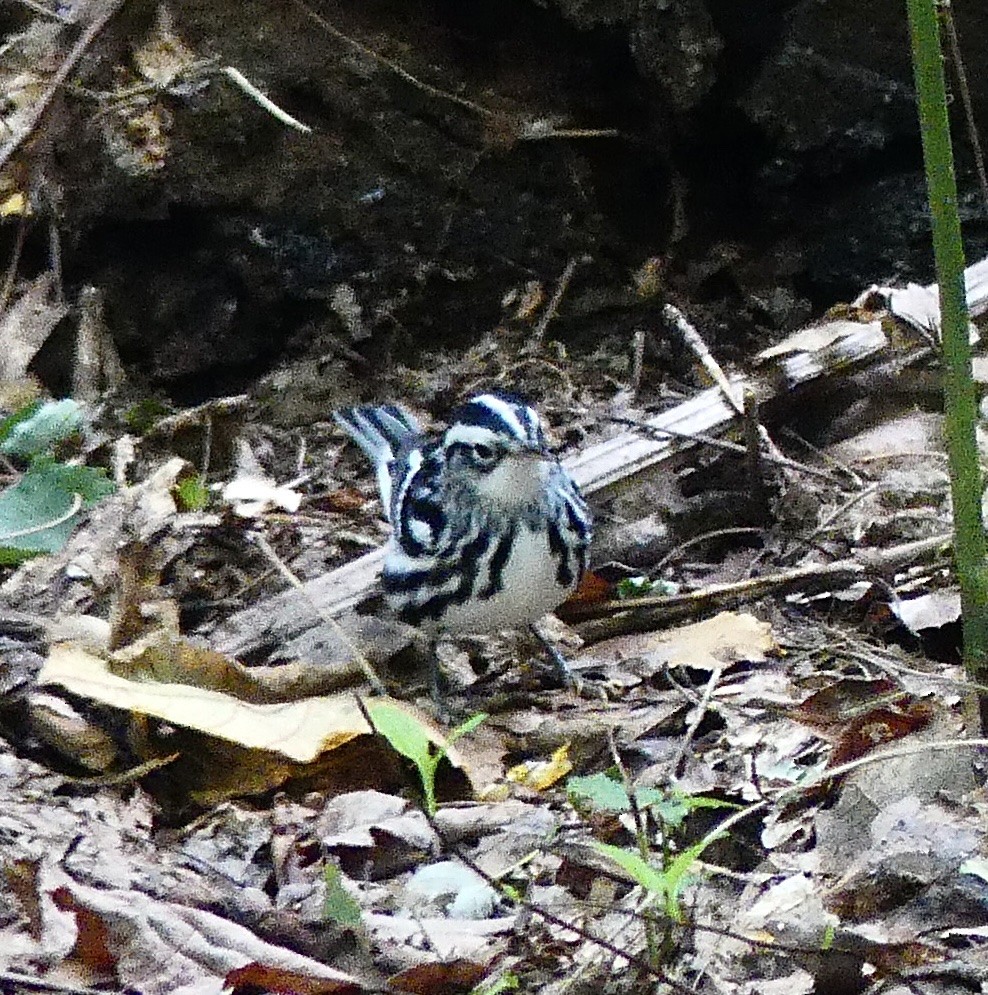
(300, 731)
(710, 645)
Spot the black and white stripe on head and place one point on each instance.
(488, 418)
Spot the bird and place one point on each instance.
(489, 531)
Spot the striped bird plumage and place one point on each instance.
(489, 530)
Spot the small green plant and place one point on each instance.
(640, 586)
(507, 982)
(340, 906)
(411, 738)
(141, 417)
(40, 510)
(663, 873)
(191, 494)
(666, 884)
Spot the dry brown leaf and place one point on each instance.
(159, 947)
(26, 325)
(439, 979)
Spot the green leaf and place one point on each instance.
(634, 587)
(673, 807)
(602, 792)
(192, 494)
(141, 417)
(507, 982)
(465, 728)
(410, 738)
(638, 587)
(666, 884)
(340, 907)
(404, 732)
(650, 878)
(47, 426)
(677, 876)
(8, 424)
(35, 512)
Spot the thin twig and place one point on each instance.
(731, 447)
(842, 510)
(694, 340)
(369, 53)
(790, 433)
(947, 18)
(110, 8)
(358, 656)
(700, 711)
(237, 77)
(696, 540)
(649, 612)
(783, 796)
(552, 307)
(15, 258)
(637, 360)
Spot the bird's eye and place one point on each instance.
(484, 453)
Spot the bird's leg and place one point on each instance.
(564, 677)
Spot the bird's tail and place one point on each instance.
(381, 432)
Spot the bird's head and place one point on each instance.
(495, 445)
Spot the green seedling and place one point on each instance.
(411, 738)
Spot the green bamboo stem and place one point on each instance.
(959, 399)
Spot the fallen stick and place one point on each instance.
(617, 618)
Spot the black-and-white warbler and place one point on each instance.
(489, 531)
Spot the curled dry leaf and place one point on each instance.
(228, 746)
(159, 947)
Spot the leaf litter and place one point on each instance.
(292, 850)
(175, 816)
